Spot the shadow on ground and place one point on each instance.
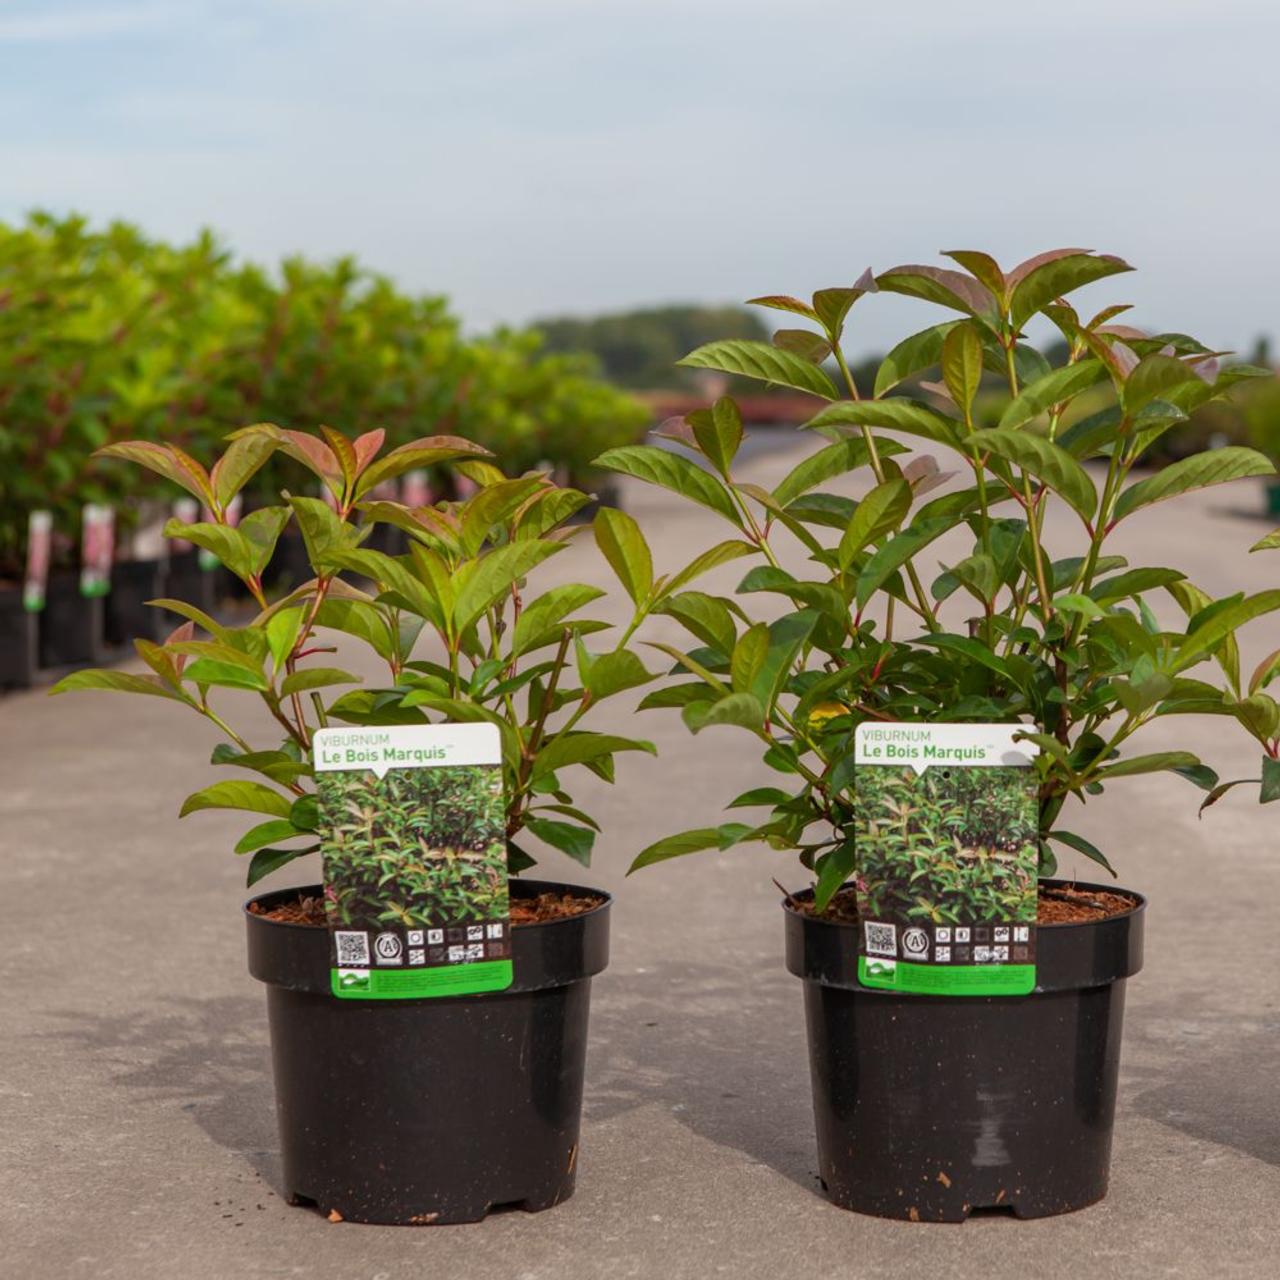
(209, 1056)
(1223, 1091)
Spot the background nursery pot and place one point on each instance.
(930, 1107)
(431, 1111)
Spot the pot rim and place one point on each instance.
(1139, 906)
(317, 890)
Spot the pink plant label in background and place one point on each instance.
(97, 542)
(36, 579)
(185, 511)
(415, 489)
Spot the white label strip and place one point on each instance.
(384, 747)
(923, 746)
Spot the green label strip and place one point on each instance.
(948, 980)
(418, 984)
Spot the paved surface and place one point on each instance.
(135, 1101)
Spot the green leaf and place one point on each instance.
(166, 460)
(481, 584)
(118, 681)
(896, 414)
(429, 451)
(748, 657)
(962, 365)
(1056, 278)
(262, 529)
(1206, 637)
(833, 460)
(1216, 466)
(569, 838)
(623, 545)
(707, 617)
(786, 637)
(971, 650)
(1269, 543)
(742, 709)
(1051, 465)
(611, 673)
(230, 546)
(580, 748)
(1081, 604)
(238, 794)
(671, 471)
(782, 302)
(912, 355)
(540, 620)
(712, 558)
(358, 618)
(265, 861)
(719, 433)
(878, 514)
(947, 288)
(1153, 763)
(1270, 780)
(834, 868)
(1133, 583)
(265, 832)
(282, 633)
(1054, 388)
(763, 362)
(677, 846)
(189, 611)
(1081, 845)
(896, 552)
(760, 796)
(242, 460)
(317, 678)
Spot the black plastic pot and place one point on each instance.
(437, 1110)
(133, 583)
(930, 1107)
(17, 640)
(71, 626)
(185, 580)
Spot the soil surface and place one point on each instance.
(309, 910)
(1060, 904)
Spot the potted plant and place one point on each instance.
(929, 1107)
(405, 1111)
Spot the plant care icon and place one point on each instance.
(387, 947)
(915, 942)
(353, 981)
(881, 968)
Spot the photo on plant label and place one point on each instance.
(418, 847)
(948, 846)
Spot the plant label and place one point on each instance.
(35, 580)
(946, 835)
(185, 511)
(97, 544)
(414, 845)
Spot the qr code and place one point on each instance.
(882, 939)
(353, 949)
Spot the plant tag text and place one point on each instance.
(946, 823)
(413, 840)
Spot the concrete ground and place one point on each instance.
(135, 1096)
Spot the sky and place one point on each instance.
(535, 157)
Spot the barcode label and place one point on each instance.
(353, 949)
(882, 939)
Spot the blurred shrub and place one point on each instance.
(106, 335)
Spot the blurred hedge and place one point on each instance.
(108, 335)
